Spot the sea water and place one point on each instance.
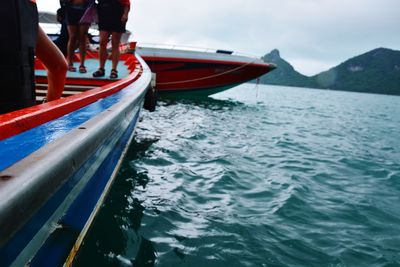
(257, 176)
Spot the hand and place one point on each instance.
(124, 18)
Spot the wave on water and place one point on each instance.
(257, 176)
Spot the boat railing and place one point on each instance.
(196, 49)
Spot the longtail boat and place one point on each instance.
(59, 159)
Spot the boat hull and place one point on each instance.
(196, 93)
(52, 190)
(201, 73)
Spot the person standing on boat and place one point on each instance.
(77, 32)
(62, 40)
(112, 15)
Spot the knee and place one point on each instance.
(73, 37)
(63, 66)
(115, 43)
(60, 66)
(82, 38)
(103, 42)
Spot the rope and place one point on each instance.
(211, 76)
(257, 83)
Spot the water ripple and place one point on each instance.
(273, 177)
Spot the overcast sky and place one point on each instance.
(313, 35)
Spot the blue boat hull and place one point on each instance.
(53, 189)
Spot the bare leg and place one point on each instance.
(115, 41)
(103, 48)
(72, 42)
(55, 64)
(83, 29)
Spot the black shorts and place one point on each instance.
(74, 14)
(110, 17)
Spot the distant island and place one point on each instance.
(377, 71)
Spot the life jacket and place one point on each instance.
(18, 36)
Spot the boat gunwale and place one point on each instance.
(19, 121)
(82, 142)
(255, 62)
(152, 53)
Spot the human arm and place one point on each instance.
(55, 63)
(126, 4)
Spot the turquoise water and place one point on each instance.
(257, 176)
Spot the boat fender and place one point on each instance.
(19, 29)
(150, 100)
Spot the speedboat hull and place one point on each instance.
(200, 73)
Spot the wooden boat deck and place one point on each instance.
(71, 87)
(91, 66)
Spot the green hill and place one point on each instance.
(285, 74)
(377, 71)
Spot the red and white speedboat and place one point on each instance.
(200, 72)
(188, 71)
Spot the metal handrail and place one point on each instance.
(193, 48)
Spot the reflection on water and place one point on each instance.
(120, 217)
(207, 103)
(146, 255)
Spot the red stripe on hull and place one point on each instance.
(176, 74)
(22, 120)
